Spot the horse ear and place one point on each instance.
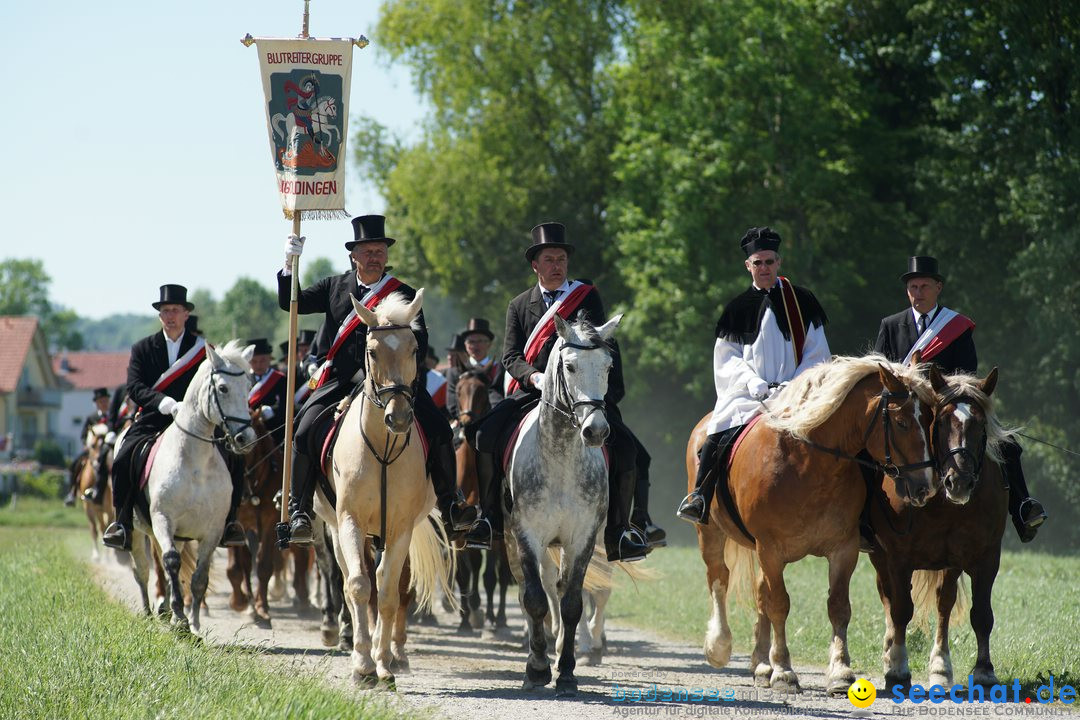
(366, 316)
(889, 379)
(215, 359)
(936, 380)
(562, 327)
(248, 353)
(990, 382)
(416, 304)
(608, 329)
(916, 358)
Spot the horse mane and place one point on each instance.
(996, 433)
(585, 333)
(394, 310)
(812, 398)
(231, 353)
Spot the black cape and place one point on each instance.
(741, 319)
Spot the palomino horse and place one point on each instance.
(960, 532)
(473, 404)
(189, 489)
(100, 515)
(379, 477)
(262, 470)
(558, 481)
(796, 485)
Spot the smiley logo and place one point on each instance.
(862, 693)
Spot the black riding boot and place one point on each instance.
(695, 506)
(457, 515)
(654, 536)
(490, 526)
(622, 542)
(1027, 513)
(118, 534)
(301, 495)
(233, 535)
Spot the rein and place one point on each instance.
(957, 396)
(230, 438)
(562, 390)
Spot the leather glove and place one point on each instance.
(267, 412)
(774, 391)
(759, 389)
(110, 438)
(168, 406)
(537, 380)
(294, 246)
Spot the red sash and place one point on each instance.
(543, 332)
(184, 363)
(351, 323)
(263, 388)
(436, 387)
(953, 329)
(796, 326)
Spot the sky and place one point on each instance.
(138, 152)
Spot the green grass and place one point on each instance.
(38, 512)
(67, 651)
(1036, 609)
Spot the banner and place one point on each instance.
(306, 86)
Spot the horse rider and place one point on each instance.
(305, 363)
(269, 393)
(98, 416)
(476, 339)
(343, 367)
(159, 372)
(528, 316)
(115, 418)
(761, 345)
(455, 351)
(304, 104)
(945, 338)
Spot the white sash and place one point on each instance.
(343, 329)
(180, 365)
(936, 325)
(435, 380)
(548, 317)
(258, 388)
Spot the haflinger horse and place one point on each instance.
(189, 488)
(960, 532)
(380, 482)
(558, 482)
(797, 487)
(100, 515)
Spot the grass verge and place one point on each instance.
(28, 511)
(67, 651)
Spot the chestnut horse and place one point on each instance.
(960, 532)
(796, 485)
(101, 514)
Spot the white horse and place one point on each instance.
(189, 488)
(378, 452)
(558, 481)
(323, 118)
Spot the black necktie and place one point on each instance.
(361, 291)
(552, 296)
(922, 324)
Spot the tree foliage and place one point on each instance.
(24, 290)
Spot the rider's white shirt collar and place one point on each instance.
(477, 363)
(173, 347)
(929, 316)
(562, 289)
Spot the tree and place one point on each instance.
(24, 290)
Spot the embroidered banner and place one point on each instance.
(306, 86)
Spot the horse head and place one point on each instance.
(472, 394)
(223, 402)
(576, 377)
(390, 360)
(897, 434)
(962, 426)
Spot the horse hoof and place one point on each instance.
(329, 637)
(593, 658)
(400, 666)
(365, 681)
(762, 675)
(388, 683)
(839, 688)
(566, 687)
(784, 681)
(262, 622)
(476, 620)
(904, 681)
(536, 678)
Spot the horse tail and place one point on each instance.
(742, 565)
(432, 562)
(924, 590)
(598, 564)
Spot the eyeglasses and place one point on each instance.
(758, 263)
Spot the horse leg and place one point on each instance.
(325, 561)
(399, 635)
(476, 615)
(170, 560)
(535, 603)
(463, 578)
(549, 576)
(349, 545)
(885, 592)
(387, 578)
(777, 606)
(570, 585)
(91, 517)
(200, 579)
(490, 580)
(711, 542)
(238, 600)
(759, 657)
(940, 665)
(839, 676)
(140, 556)
(982, 615)
(505, 576)
(264, 570)
(161, 586)
(301, 565)
(596, 625)
(901, 609)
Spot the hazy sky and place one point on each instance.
(137, 149)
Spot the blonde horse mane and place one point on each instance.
(813, 397)
(394, 310)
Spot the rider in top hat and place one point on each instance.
(159, 372)
(549, 256)
(343, 366)
(100, 415)
(946, 338)
(269, 393)
(476, 339)
(760, 347)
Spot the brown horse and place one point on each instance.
(100, 515)
(960, 532)
(796, 484)
(262, 475)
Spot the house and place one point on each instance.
(30, 392)
(82, 373)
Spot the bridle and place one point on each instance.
(562, 392)
(409, 391)
(957, 396)
(242, 423)
(469, 416)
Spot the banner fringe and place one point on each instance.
(317, 214)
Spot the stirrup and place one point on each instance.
(631, 547)
(480, 536)
(300, 529)
(692, 508)
(117, 537)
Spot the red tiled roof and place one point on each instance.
(16, 335)
(89, 370)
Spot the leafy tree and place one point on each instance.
(24, 290)
(248, 310)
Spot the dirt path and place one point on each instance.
(479, 676)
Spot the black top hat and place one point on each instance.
(757, 239)
(369, 228)
(173, 295)
(305, 337)
(191, 325)
(548, 235)
(478, 325)
(101, 393)
(921, 266)
(262, 346)
(284, 350)
(457, 343)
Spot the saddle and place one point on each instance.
(727, 455)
